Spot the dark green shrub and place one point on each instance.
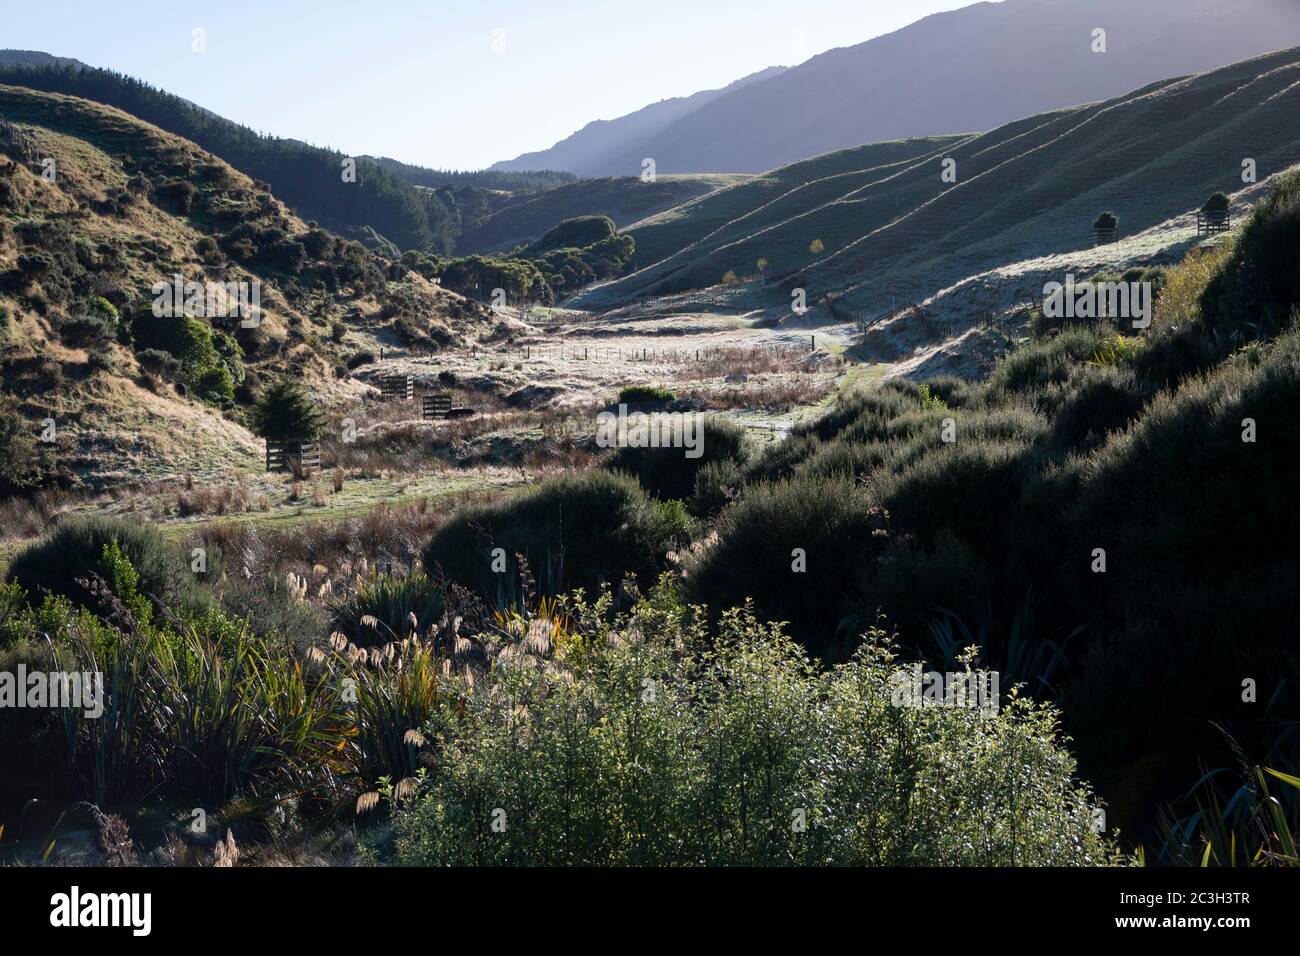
(75, 550)
(285, 412)
(215, 386)
(952, 391)
(88, 332)
(576, 531)
(23, 464)
(359, 359)
(576, 233)
(1096, 402)
(1258, 290)
(380, 609)
(825, 524)
(178, 194)
(977, 480)
(1107, 220)
(668, 473)
(1175, 355)
(645, 395)
(1199, 530)
(717, 484)
(1043, 362)
(159, 364)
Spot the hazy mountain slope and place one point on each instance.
(1025, 190)
(117, 218)
(592, 150)
(968, 70)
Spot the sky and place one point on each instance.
(449, 84)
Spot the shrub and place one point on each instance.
(1256, 293)
(381, 608)
(717, 484)
(667, 472)
(1216, 203)
(575, 531)
(22, 463)
(1187, 564)
(1096, 403)
(216, 387)
(158, 364)
(743, 755)
(75, 550)
(1030, 368)
(178, 194)
(359, 359)
(577, 233)
(828, 519)
(285, 412)
(645, 395)
(1107, 220)
(87, 331)
(206, 710)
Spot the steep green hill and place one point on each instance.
(95, 208)
(307, 178)
(624, 199)
(1028, 189)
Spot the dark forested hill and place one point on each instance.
(307, 178)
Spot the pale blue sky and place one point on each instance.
(418, 80)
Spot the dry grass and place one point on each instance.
(219, 499)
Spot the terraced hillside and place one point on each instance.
(900, 233)
(624, 199)
(97, 206)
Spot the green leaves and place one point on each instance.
(668, 745)
(285, 412)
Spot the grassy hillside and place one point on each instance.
(307, 178)
(130, 205)
(627, 199)
(1028, 189)
(762, 201)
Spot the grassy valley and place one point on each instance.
(927, 573)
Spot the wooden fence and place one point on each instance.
(279, 454)
(672, 356)
(1213, 223)
(397, 387)
(436, 405)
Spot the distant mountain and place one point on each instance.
(968, 70)
(36, 58)
(592, 150)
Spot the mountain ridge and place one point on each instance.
(980, 67)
